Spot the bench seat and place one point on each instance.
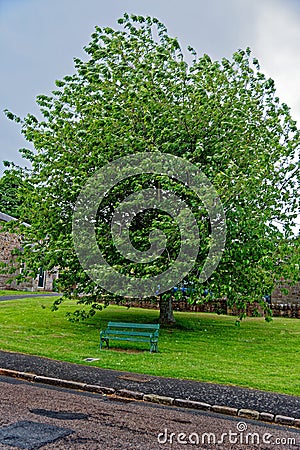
(127, 331)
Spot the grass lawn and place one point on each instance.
(203, 347)
(15, 292)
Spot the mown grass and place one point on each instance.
(15, 292)
(203, 347)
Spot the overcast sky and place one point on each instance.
(39, 38)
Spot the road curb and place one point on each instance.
(153, 398)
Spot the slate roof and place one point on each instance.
(5, 217)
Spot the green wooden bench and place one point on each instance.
(136, 332)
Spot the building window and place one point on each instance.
(41, 278)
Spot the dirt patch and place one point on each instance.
(135, 377)
(126, 350)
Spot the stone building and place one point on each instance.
(286, 294)
(8, 243)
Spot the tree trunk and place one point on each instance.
(166, 316)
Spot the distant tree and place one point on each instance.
(135, 93)
(13, 187)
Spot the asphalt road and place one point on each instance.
(21, 296)
(214, 394)
(37, 416)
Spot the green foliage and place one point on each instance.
(14, 188)
(135, 93)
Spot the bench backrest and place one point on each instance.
(133, 326)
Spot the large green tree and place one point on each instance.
(136, 93)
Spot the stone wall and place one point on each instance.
(220, 307)
(286, 294)
(8, 243)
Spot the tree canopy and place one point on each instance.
(134, 94)
(13, 187)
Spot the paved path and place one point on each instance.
(37, 416)
(17, 297)
(213, 394)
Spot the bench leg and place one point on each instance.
(102, 340)
(153, 347)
